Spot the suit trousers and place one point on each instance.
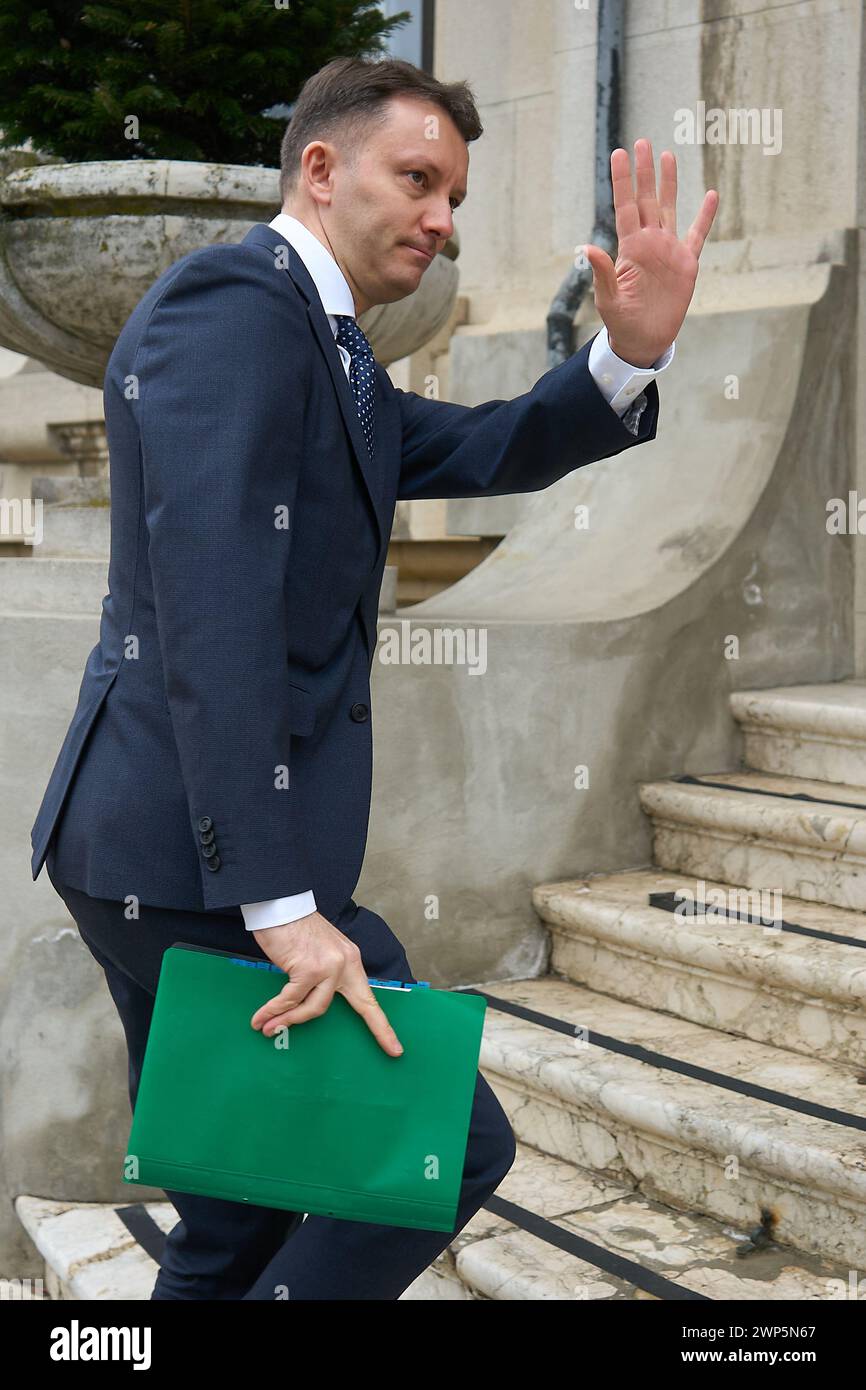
(233, 1250)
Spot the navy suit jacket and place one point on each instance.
(221, 748)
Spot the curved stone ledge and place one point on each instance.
(605, 650)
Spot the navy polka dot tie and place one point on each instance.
(362, 372)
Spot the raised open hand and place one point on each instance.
(643, 297)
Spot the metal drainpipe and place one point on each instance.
(569, 297)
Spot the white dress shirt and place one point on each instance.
(621, 384)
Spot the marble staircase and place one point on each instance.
(687, 1086)
(715, 1062)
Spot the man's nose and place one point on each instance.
(440, 224)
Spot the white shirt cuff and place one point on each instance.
(275, 911)
(618, 381)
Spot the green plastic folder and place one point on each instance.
(317, 1118)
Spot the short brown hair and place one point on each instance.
(347, 95)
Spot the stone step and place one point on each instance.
(62, 585)
(90, 1254)
(52, 588)
(760, 982)
(684, 1140)
(496, 1259)
(816, 731)
(73, 532)
(71, 491)
(754, 829)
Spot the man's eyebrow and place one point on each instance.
(423, 161)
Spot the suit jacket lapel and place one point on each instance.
(263, 235)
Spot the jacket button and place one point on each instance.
(359, 712)
(208, 851)
(206, 836)
(205, 823)
(213, 863)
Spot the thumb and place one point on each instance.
(603, 272)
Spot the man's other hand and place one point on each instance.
(642, 298)
(320, 962)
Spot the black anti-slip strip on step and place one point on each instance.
(151, 1238)
(596, 1255)
(140, 1224)
(665, 1063)
(758, 791)
(669, 902)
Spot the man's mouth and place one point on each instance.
(426, 256)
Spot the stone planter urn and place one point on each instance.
(81, 243)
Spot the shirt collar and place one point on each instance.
(330, 282)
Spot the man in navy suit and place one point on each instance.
(215, 778)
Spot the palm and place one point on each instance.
(643, 297)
